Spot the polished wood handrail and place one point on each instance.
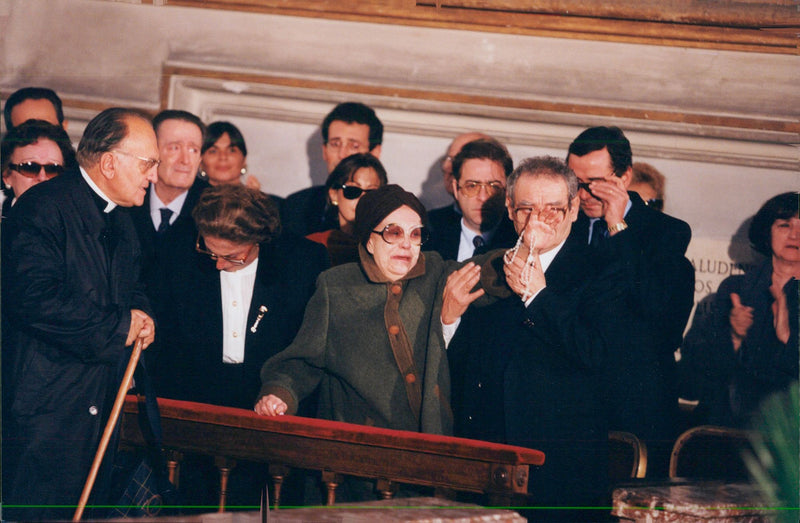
(501, 471)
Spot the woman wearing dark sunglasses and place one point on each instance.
(33, 152)
(348, 182)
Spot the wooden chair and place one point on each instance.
(627, 456)
(710, 452)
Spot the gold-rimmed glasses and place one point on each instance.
(200, 247)
(548, 214)
(473, 188)
(149, 163)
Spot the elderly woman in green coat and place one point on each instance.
(371, 337)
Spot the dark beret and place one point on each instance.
(376, 205)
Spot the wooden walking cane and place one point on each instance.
(112, 421)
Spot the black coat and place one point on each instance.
(731, 384)
(188, 365)
(182, 231)
(533, 376)
(68, 298)
(445, 228)
(307, 211)
(641, 371)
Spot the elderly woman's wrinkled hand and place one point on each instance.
(271, 405)
(457, 292)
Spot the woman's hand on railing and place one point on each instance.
(271, 405)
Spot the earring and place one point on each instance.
(243, 171)
(203, 174)
(335, 203)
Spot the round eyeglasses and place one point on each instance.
(394, 233)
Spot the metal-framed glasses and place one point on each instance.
(349, 146)
(394, 233)
(200, 246)
(149, 163)
(32, 169)
(472, 188)
(353, 192)
(549, 214)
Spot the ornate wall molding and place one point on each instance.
(764, 143)
(745, 25)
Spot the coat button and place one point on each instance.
(410, 378)
(394, 330)
(528, 322)
(396, 289)
(93, 410)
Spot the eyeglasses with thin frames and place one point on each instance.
(549, 214)
(349, 146)
(473, 188)
(200, 247)
(394, 233)
(149, 163)
(32, 169)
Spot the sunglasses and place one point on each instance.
(353, 192)
(32, 169)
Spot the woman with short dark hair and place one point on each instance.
(31, 153)
(747, 346)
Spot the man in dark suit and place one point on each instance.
(164, 221)
(71, 294)
(479, 179)
(641, 370)
(350, 128)
(527, 369)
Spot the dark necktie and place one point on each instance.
(479, 244)
(165, 216)
(599, 232)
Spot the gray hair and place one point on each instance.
(543, 167)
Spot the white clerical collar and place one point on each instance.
(110, 205)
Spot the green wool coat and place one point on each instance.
(345, 346)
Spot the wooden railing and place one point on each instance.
(389, 456)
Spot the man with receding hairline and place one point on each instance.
(71, 294)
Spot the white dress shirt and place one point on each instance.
(237, 293)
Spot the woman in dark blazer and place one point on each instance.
(212, 342)
(746, 346)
